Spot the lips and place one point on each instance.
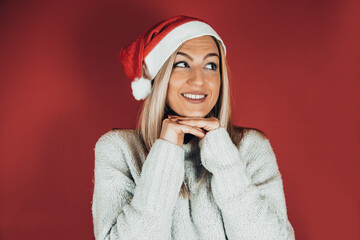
(191, 100)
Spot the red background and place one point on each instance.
(295, 75)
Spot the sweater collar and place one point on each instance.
(191, 149)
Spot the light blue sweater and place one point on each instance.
(138, 199)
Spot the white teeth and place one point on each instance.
(192, 96)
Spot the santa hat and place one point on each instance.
(151, 49)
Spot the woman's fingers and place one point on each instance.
(196, 126)
(195, 130)
(200, 123)
(174, 132)
(208, 124)
(192, 130)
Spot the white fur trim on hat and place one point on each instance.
(162, 51)
(141, 88)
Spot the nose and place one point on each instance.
(196, 76)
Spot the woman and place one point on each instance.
(186, 172)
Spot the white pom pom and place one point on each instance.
(141, 88)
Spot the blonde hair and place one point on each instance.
(152, 112)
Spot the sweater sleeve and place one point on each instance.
(247, 186)
(123, 210)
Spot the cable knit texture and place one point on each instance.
(138, 198)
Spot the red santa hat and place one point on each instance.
(151, 49)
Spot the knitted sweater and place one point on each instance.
(138, 199)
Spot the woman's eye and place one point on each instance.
(180, 64)
(213, 66)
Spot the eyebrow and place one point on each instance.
(208, 55)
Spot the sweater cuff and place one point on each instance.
(161, 178)
(218, 151)
(222, 158)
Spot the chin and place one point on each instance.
(195, 114)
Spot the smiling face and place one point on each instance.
(195, 81)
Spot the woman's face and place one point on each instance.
(195, 79)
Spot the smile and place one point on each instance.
(194, 98)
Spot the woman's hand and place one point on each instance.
(175, 127)
(173, 131)
(208, 124)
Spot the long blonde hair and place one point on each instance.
(153, 112)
